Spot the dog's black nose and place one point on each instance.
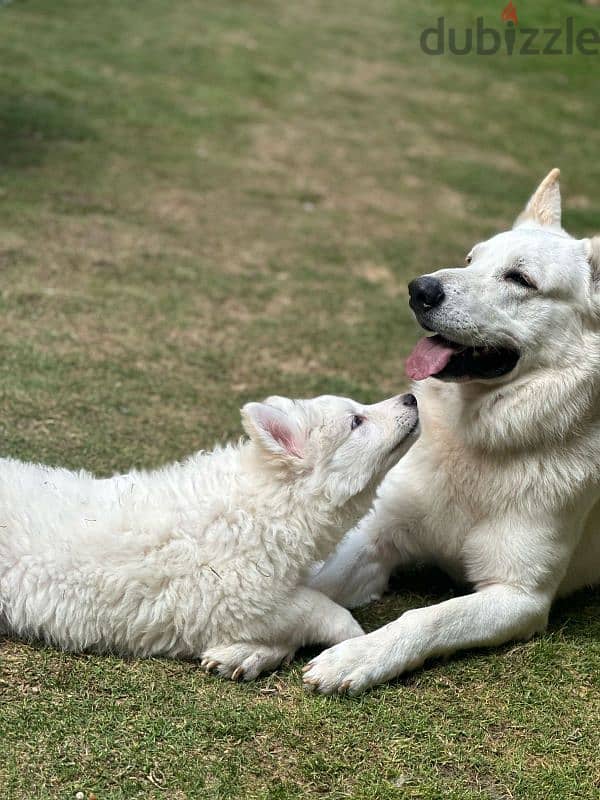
(425, 293)
(408, 400)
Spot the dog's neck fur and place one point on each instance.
(519, 451)
(560, 406)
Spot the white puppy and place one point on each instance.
(502, 489)
(201, 559)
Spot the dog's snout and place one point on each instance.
(408, 400)
(425, 293)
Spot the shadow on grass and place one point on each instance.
(30, 123)
(573, 615)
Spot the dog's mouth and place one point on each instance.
(438, 357)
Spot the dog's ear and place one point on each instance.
(592, 250)
(543, 207)
(273, 430)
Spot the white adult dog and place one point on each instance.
(203, 559)
(502, 489)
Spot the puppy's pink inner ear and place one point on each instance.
(285, 437)
(273, 429)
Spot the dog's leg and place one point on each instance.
(489, 617)
(308, 618)
(359, 571)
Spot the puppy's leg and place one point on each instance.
(309, 618)
(489, 617)
(318, 620)
(359, 571)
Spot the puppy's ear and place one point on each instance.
(592, 250)
(273, 430)
(543, 207)
(282, 403)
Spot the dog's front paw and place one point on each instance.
(348, 668)
(244, 661)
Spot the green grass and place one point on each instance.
(207, 202)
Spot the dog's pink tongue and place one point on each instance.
(430, 356)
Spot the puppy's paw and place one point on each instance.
(244, 660)
(348, 668)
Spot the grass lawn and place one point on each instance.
(207, 202)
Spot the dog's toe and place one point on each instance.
(343, 669)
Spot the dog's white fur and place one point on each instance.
(201, 559)
(502, 489)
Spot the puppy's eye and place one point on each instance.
(357, 421)
(514, 276)
(468, 259)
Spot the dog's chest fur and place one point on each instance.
(456, 489)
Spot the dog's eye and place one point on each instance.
(357, 420)
(468, 259)
(514, 276)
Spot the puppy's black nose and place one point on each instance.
(425, 293)
(408, 400)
